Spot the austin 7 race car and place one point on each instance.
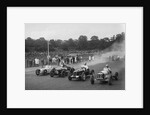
(81, 74)
(43, 71)
(61, 71)
(104, 76)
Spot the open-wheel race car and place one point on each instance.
(81, 74)
(61, 71)
(104, 76)
(43, 71)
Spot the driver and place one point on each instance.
(107, 68)
(85, 67)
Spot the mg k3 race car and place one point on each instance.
(81, 74)
(61, 71)
(43, 71)
(104, 76)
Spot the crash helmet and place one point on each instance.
(107, 65)
(84, 63)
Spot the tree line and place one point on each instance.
(80, 44)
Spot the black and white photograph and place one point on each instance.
(74, 56)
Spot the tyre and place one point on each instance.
(52, 73)
(92, 72)
(87, 71)
(69, 77)
(110, 81)
(63, 74)
(37, 72)
(45, 72)
(92, 80)
(68, 74)
(116, 76)
(83, 76)
(72, 70)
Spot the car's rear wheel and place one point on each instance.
(68, 73)
(37, 72)
(63, 74)
(92, 71)
(72, 70)
(83, 76)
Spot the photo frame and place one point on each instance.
(8, 81)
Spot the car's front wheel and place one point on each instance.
(92, 80)
(69, 77)
(116, 76)
(37, 72)
(110, 81)
(52, 74)
(45, 72)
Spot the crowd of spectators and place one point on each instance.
(35, 59)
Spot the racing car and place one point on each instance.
(81, 74)
(61, 71)
(43, 71)
(104, 76)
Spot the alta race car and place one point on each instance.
(44, 71)
(104, 76)
(81, 74)
(61, 71)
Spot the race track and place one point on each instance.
(33, 82)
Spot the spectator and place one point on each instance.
(80, 58)
(89, 58)
(70, 60)
(58, 61)
(93, 57)
(36, 62)
(67, 60)
(75, 59)
(50, 60)
(30, 62)
(27, 63)
(33, 63)
(42, 62)
(61, 63)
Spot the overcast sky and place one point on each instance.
(65, 31)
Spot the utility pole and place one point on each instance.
(48, 56)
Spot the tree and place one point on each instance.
(71, 44)
(94, 42)
(82, 42)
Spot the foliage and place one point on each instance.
(80, 44)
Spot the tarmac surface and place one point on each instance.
(33, 82)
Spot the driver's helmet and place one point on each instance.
(84, 63)
(107, 65)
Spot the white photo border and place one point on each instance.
(18, 97)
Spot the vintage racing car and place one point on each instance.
(61, 71)
(81, 74)
(43, 71)
(104, 76)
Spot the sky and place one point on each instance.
(64, 31)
